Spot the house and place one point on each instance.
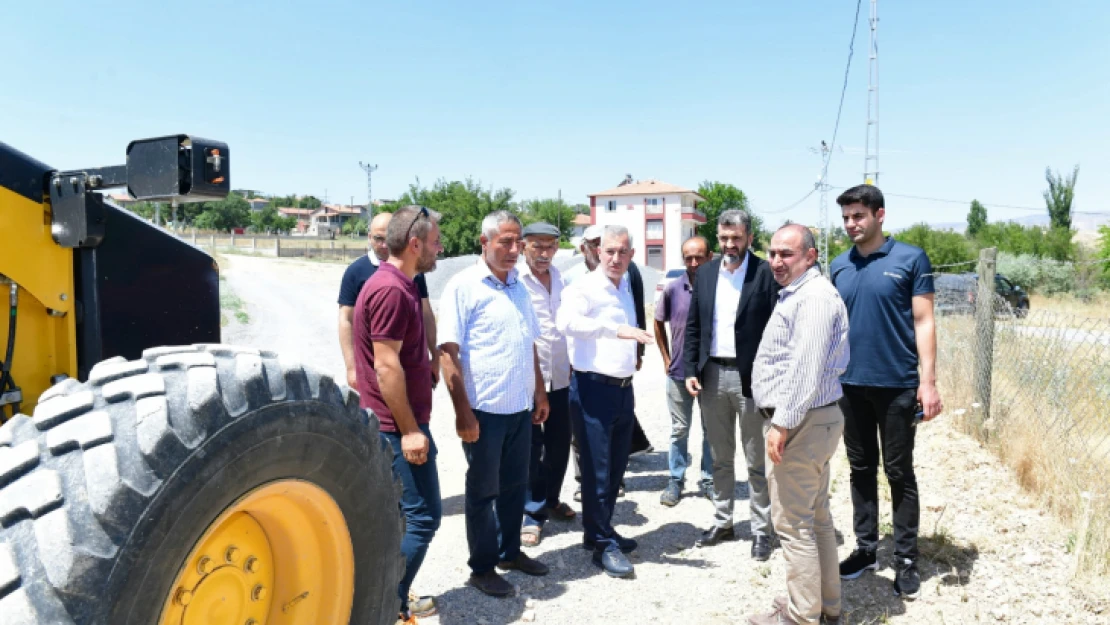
(123, 200)
(581, 222)
(302, 215)
(258, 203)
(659, 215)
(329, 218)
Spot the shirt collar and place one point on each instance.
(525, 272)
(799, 282)
(686, 281)
(487, 275)
(600, 276)
(884, 250)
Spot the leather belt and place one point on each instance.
(724, 362)
(769, 413)
(606, 379)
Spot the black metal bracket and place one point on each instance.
(14, 396)
(77, 213)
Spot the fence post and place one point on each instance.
(213, 241)
(984, 331)
(277, 247)
(306, 247)
(194, 237)
(254, 244)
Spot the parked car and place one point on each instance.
(665, 280)
(956, 294)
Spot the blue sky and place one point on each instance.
(977, 98)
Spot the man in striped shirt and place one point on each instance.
(488, 332)
(796, 383)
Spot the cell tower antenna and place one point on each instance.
(369, 169)
(871, 149)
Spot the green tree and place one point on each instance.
(1058, 197)
(838, 242)
(553, 211)
(943, 247)
(462, 205)
(264, 220)
(355, 226)
(309, 201)
(976, 219)
(285, 224)
(230, 212)
(582, 209)
(142, 209)
(1103, 253)
(719, 197)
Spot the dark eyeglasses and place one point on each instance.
(423, 212)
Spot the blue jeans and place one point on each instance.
(496, 487)
(681, 404)
(550, 456)
(421, 505)
(603, 418)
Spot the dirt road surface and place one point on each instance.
(990, 553)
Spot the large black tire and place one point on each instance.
(105, 490)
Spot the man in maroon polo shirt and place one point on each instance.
(394, 377)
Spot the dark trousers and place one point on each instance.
(890, 411)
(420, 503)
(550, 455)
(496, 487)
(640, 442)
(601, 417)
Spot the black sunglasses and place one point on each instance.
(423, 212)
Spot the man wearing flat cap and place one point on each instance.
(551, 439)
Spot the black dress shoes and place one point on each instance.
(716, 535)
(627, 545)
(761, 548)
(614, 563)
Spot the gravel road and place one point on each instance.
(992, 554)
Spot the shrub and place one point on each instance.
(1042, 275)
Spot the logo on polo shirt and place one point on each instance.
(894, 275)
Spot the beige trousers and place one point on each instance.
(800, 511)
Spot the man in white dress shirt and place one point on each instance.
(551, 439)
(598, 317)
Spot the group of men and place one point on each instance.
(533, 361)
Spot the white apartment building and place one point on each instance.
(659, 215)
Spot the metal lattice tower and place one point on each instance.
(369, 169)
(871, 149)
(822, 185)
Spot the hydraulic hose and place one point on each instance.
(6, 380)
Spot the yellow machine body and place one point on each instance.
(46, 335)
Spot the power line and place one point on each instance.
(843, 89)
(792, 206)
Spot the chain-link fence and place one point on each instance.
(1035, 386)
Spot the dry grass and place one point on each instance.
(1097, 306)
(1048, 419)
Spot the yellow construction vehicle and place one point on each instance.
(162, 477)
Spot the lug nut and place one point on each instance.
(252, 565)
(259, 593)
(232, 555)
(183, 597)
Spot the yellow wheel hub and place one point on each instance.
(281, 554)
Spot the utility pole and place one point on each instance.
(559, 214)
(871, 149)
(369, 169)
(822, 185)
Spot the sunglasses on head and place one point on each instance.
(423, 212)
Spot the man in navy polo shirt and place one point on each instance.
(355, 276)
(887, 287)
